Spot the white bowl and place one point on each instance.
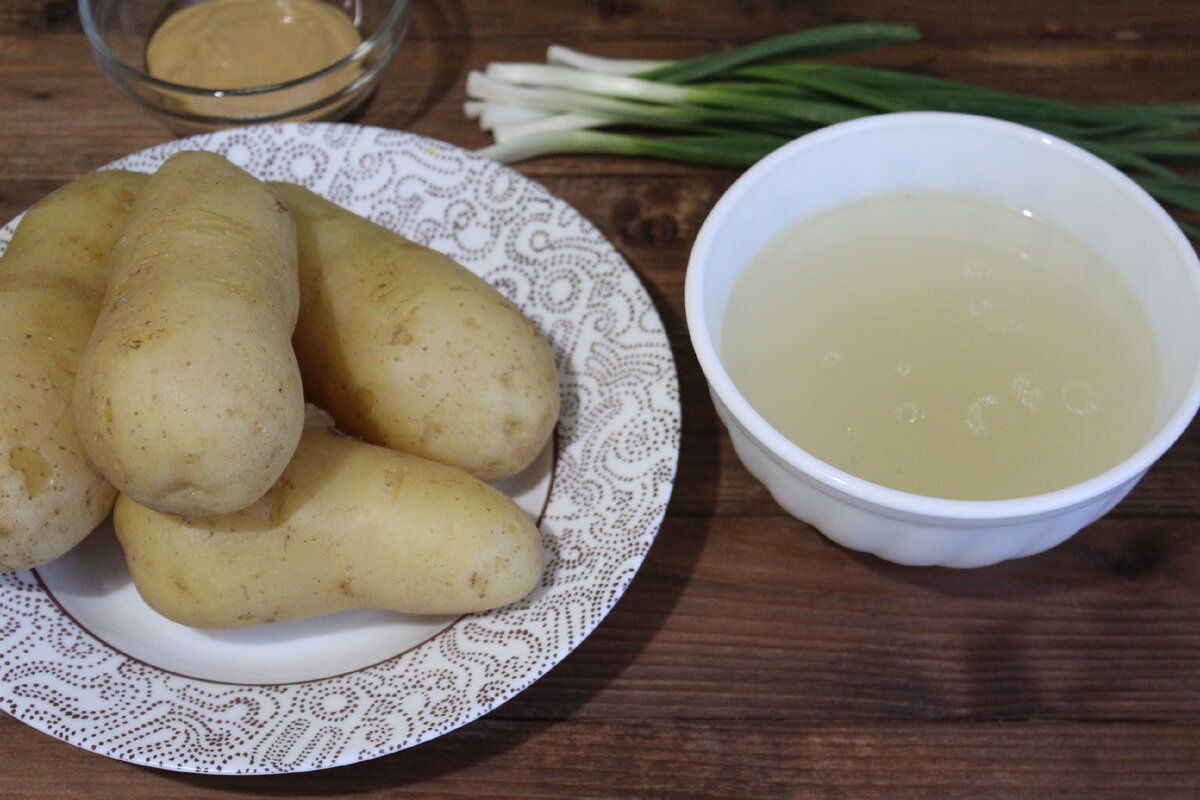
(1067, 187)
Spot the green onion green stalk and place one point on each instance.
(731, 108)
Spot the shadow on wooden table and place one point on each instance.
(432, 26)
(1115, 549)
(404, 94)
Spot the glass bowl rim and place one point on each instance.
(108, 57)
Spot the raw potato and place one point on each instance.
(349, 525)
(52, 280)
(410, 350)
(189, 397)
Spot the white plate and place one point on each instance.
(83, 659)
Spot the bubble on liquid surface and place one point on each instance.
(991, 315)
(1079, 398)
(831, 358)
(976, 414)
(903, 369)
(1028, 395)
(908, 412)
(974, 269)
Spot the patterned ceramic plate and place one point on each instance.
(83, 659)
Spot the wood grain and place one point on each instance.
(769, 758)
(750, 657)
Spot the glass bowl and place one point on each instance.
(119, 31)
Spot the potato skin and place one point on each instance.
(348, 525)
(410, 350)
(52, 279)
(188, 397)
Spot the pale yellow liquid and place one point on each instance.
(945, 345)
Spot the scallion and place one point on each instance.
(730, 108)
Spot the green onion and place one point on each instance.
(730, 108)
(587, 86)
(734, 150)
(814, 42)
(566, 57)
(654, 114)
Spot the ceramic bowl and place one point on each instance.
(1067, 187)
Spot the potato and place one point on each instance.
(188, 397)
(348, 525)
(410, 350)
(52, 280)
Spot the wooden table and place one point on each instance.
(750, 657)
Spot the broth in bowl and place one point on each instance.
(944, 344)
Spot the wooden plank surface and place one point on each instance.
(663, 758)
(750, 657)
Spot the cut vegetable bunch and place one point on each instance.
(731, 108)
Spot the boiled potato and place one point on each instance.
(348, 525)
(188, 397)
(52, 279)
(410, 350)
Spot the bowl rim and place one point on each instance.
(107, 57)
(899, 502)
